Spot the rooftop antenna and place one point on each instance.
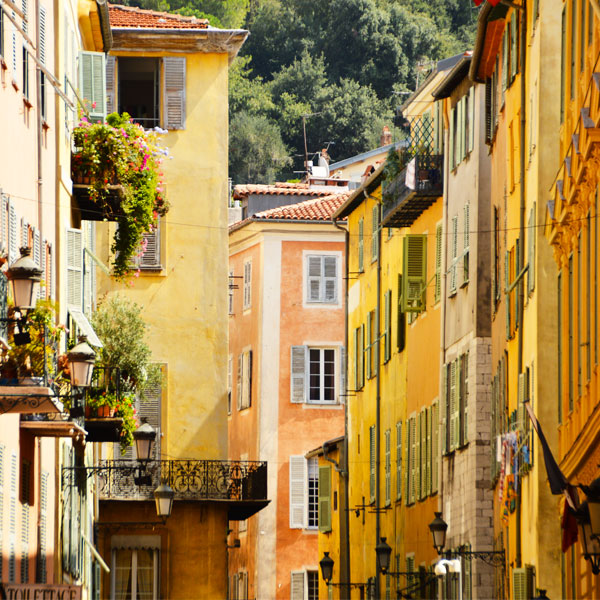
(304, 117)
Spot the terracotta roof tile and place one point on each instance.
(137, 18)
(278, 189)
(319, 209)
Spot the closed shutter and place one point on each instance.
(234, 586)
(4, 220)
(513, 45)
(504, 61)
(12, 520)
(343, 377)
(356, 360)
(369, 348)
(330, 278)
(111, 106)
(461, 129)
(522, 584)
(407, 459)
(297, 585)
(428, 441)
(175, 68)
(150, 258)
(398, 460)
(451, 141)
(324, 499)
(372, 459)
(374, 233)
(531, 252)
(414, 273)
(466, 243)
(13, 244)
(387, 344)
(74, 268)
(2, 452)
(438, 262)
(471, 116)
(361, 357)
(298, 492)
(149, 410)
(247, 380)
(314, 278)
(298, 370)
(240, 371)
(454, 252)
(25, 510)
(413, 459)
(92, 83)
(388, 466)
(419, 457)
(445, 411)
(401, 325)
(452, 412)
(435, 446)
(361, 245)
(464, 402)
(41, 575)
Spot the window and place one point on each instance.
(398, 460)
(229, 382)
(438, 262)
(372, 348)
(304, 585)
(313, 374)
(455, 402)
(372, 461)
(361, 245)
(244, 380)
(359, 357)
(230, 288)
(388, 466)
(134, 573)
(454, 254)
(247, 284)
(387, 334)
(375, 233)
(304, 492)
(322, 279)
(324, 498)
(414, 270)
(149, 255)
(466, 244)
(144, 86)
(92, 83)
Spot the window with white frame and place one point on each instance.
(247, 284)
(244, 380)
(313, 374)
(135, 567)
(305, 585)
(304, 492)
(322, 278)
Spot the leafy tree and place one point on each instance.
(256, 151)
(247, 93)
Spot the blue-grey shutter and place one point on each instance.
(298, 369)
(110, 84)
(74, 268)
(174, 101)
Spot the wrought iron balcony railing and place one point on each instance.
(414, 190)
(190, 479)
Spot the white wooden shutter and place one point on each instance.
(149, 409)
(174, 72)
(74, 268)
(12, 233)
(298, 373)
(110, 84)
(314, 278)
(92, 83)
(150, 258)
(330, 278)
(2, 450)
(4, 221)
(343, 367)
(297, 585)
(298, 492)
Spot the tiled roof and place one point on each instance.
(137, 18)
(278, 189)
(319, 209)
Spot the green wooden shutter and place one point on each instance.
(444, 420)
(471, 117)
(398, 460)
(418, 457)
(356, 360)
(438, 262)
(513, 45)
(361, 245)
(462, 128)
(372, 462)
(504, 61)
(388, 466)
(414, 272)
(369, 348)
(453, 405)
(435, 446)
(454, 242)
(531, 251)
(401, 325)
(324, 499)
(374, 233)
(174, 92)
(92, 83)
(451, 140)
(429, 446)
(407, 463)
(413, 459)
(506, 293)
(387, 347)
(466, 243)
(298, 368)
(361, 357)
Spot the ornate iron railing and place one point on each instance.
(190, 479)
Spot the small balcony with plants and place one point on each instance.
(412, 177)
(116, 173)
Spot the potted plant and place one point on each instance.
(100, 403)
(125, 409)
(120, 161)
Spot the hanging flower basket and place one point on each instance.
(116, 177)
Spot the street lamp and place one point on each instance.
(589, 539)
(163, 496)
(326, 564)
(144, 437)
(444, 566)
(438, 528)
(383, 551)
(81, 359)
(24, 277)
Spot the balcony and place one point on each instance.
(242, 485)
(413, 191)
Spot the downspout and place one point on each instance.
(38, 92)
(520, 291)
(345, 497)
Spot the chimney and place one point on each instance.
(386, 136)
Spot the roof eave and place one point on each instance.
(355, 198)
(449, 83)
(263, 221)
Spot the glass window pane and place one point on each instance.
(123, 574)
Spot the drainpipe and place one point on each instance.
(344, 497)
(38, 93)
(520, 290)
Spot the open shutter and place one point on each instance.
(330, 278)
(174, 92)
(387, 345)
(92, 83)
(149, 409)
(438, 262)
(513, 45)
(111, 106)
(471, 117)
(372, 462)
(324, 499)
(374, 233)
(361, 357)
(361, 245)
(531, 231)
(343, 370)
(388, 466)
(369, 348)
(419, 457)
(435, 446)
(445, 416)
(13, 244)
(240, 371)
(452, 406)
(401, 333)
(150, 258)
(428, 446)
(356, 360)
(407, 459)
(413, 459)
(466, 243)
(398, 460)
(248, 378)
(297, 585)
(507, 294)
(298, 373)
(451, 141)
(74, 268)
(414, 272)
(297, 492)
